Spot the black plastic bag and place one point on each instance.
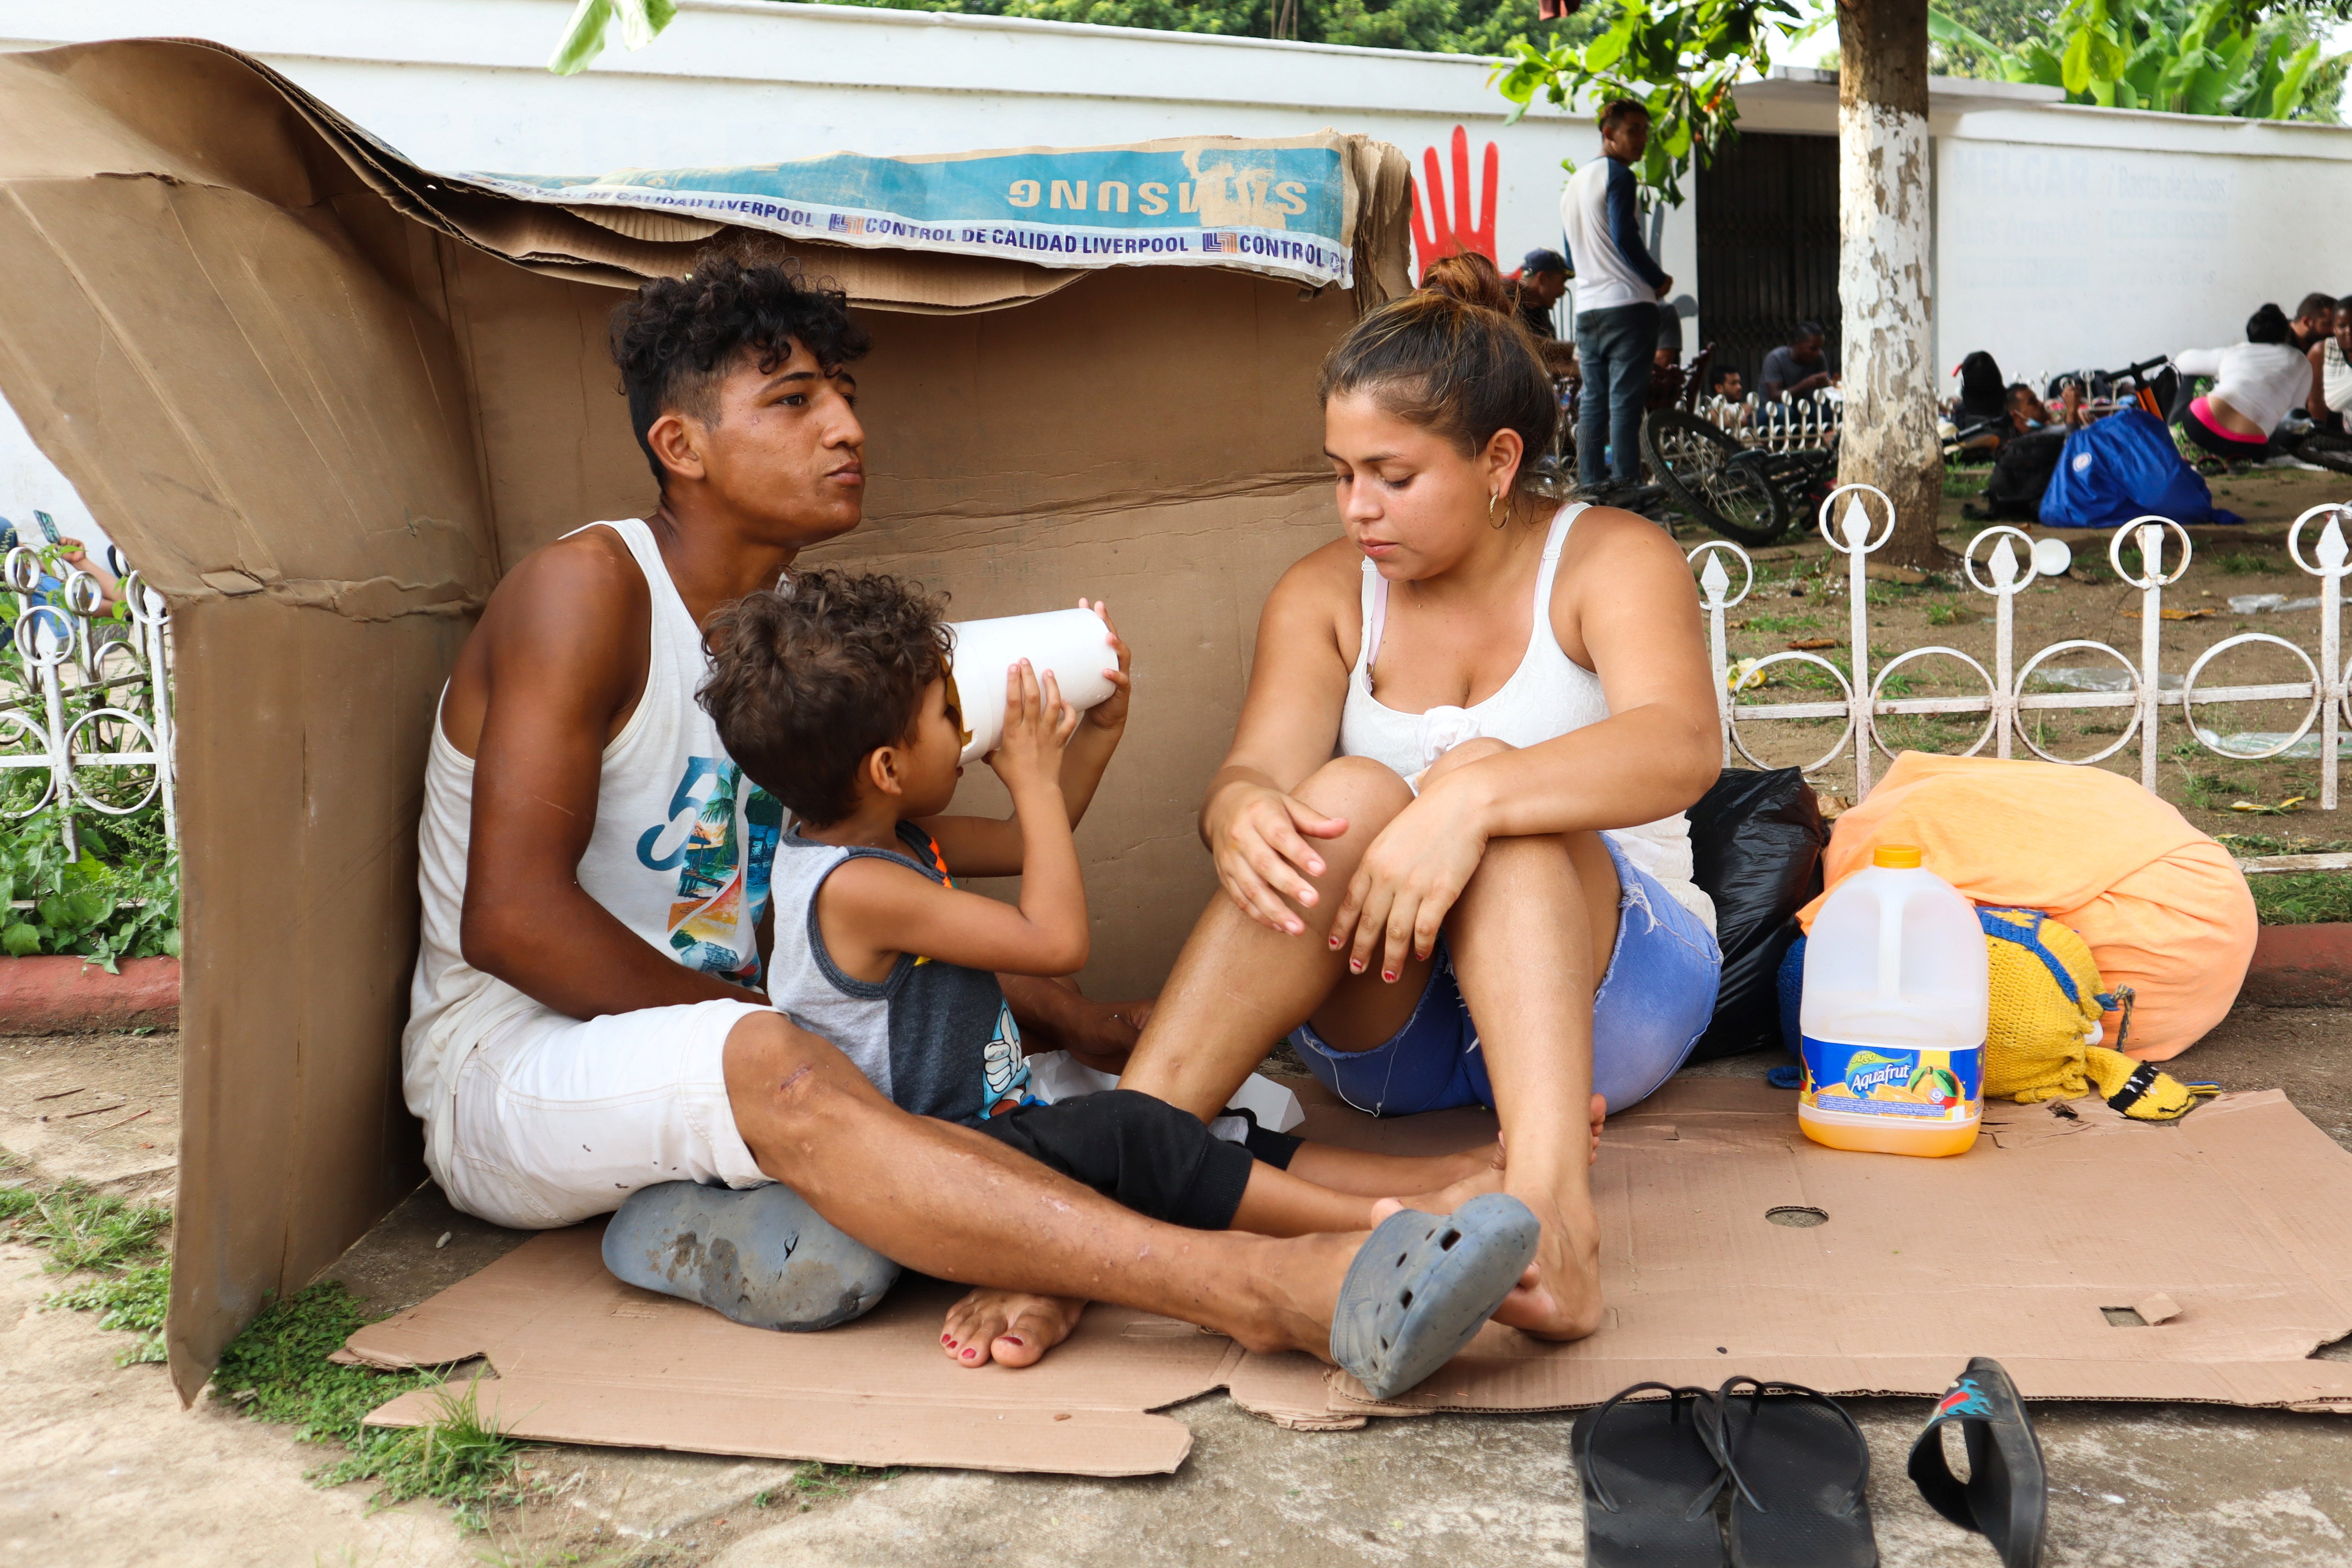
(1756, 848)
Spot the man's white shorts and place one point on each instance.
(555, 1119)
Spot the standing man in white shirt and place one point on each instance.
(1618, 288)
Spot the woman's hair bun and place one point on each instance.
(1470, 277)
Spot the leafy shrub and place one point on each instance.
(84, 905)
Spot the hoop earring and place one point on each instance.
(1492, 502)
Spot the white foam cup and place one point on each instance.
(1074, 643)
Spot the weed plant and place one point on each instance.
(276, 1370)
(82, 1229)
(119, 898)
(134, 1302)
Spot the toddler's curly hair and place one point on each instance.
(811, 678)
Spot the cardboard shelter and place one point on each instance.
(323, 398)
(2095, 1257)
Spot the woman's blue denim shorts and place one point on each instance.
(1649, 1010)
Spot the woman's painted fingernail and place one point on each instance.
(1389, 975)
(1335, 945)
(1354, 965)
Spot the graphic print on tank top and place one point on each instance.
(722, 849)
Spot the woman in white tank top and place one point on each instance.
(1449, 831)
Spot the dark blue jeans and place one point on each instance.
(1614, 348)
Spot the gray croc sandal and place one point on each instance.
(761, 1256)
(1422, 1284)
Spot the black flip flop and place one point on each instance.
(2007, 1495)
(1650, 1481)
(1800, 1472)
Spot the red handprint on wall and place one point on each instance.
(1440, 235)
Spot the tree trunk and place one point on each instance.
(1889, 438)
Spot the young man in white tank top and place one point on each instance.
(586, 1020)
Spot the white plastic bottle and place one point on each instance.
(1894, 1012)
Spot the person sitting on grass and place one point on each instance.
(2256, 382)
(834, 695)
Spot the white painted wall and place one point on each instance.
(2072, 237)
(2069, 237)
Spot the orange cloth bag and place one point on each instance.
(2163, 906)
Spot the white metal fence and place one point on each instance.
(86, 703)
(2143, 692)
(1798, 423)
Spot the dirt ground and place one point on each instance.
(99, 1465)
(1801, 599)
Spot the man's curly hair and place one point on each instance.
(811, 678)
(677, 337)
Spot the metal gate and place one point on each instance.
(1768, 246)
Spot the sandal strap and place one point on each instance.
(1714, 1430)
(1584, 1456)
(1930, 1471)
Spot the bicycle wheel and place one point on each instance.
(2327, 449)
(1714, 477)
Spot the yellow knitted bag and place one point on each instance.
(2043, 1032)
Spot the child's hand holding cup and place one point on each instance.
(1037, 725)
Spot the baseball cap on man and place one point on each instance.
(1541, 260)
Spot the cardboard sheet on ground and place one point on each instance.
(2229, 1235)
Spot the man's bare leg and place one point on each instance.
(951, 1203)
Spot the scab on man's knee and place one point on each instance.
(778, 1072)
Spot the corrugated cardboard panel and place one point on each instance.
(247, 406)
(303, 739)
(322, 397)
(583, 1358)
(2014, 1250)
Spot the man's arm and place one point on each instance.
(561, 662)
(1625, 229)
(2315, 402)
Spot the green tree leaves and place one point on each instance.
(1679, 61)
(2233, 57)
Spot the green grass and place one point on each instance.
(2309, 897)
(1962, 483)
(278, 1371)
(2245, 563)
(132, 1302)
(81, 1230)
(1950, 613)
(2245, 846)
(818, 1480)
(1780, 625)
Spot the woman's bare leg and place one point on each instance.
(1237, 987)
(1530, 938)
(1211, 1028)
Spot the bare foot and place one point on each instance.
(1564, 1301)
(1010, 1328)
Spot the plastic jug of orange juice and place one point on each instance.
(1894, 1012)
